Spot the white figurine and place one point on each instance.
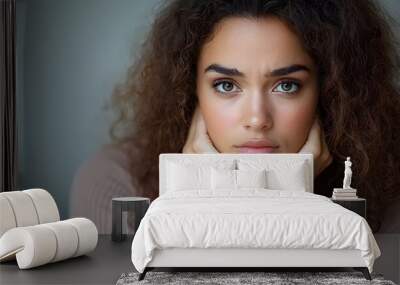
(347, 174)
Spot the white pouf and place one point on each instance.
(26, 208)
(32, 233)
(40, 244)
(46, 207)
(23, 208)
(7, 218)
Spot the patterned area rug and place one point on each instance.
(229, 278)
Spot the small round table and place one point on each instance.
(138, 205)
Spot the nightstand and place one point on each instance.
(357, 205)
(138, 205)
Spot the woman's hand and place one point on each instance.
(198, 140)
(316, 145)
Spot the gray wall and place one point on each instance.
(70, 54)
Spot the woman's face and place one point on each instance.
(255, 81)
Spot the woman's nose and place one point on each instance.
(257, 115)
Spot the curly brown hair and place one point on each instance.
(352, 45)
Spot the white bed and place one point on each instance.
(201, 220)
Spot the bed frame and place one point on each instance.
(248, 259)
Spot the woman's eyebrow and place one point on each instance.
(276, 72)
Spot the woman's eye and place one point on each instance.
(287, 87)
(225, 87)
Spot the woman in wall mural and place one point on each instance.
(284, 76)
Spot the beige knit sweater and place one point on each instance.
(99, 179)
(105, 175)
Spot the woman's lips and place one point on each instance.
(256, 149)
(257, 146)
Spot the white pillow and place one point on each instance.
(181, 177)
(236, 179)
(291, 178)
(223, 179)
(251, 178)
(281, 175)
(193, 172)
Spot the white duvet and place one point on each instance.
(251, 218)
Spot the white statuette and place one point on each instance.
(347, 174)
(347, 192)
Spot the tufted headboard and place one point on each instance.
(236, 159)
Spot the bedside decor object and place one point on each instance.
(347, 174)
(345, 193)
(137, 205)
(31, 231)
